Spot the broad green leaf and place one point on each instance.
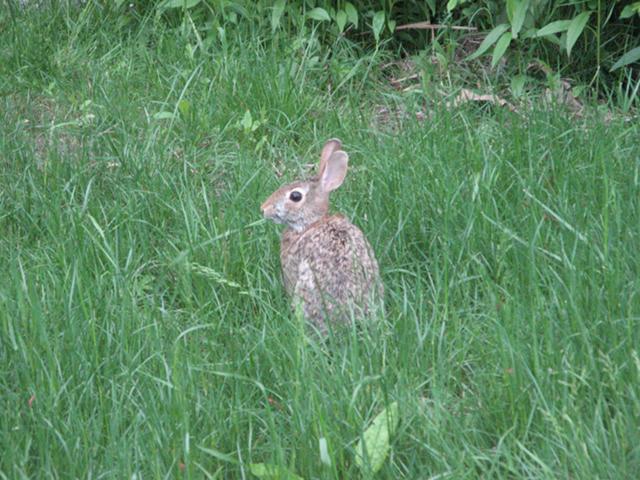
(578, 90)
(325, 458)
(219, 455)
(518, 83)
(554, 27)
(341, 20)
(319, 14)
(391, 25)
(247, 121)
(575, 29)
(517, 13)
(489, 40)
(352, 13)
(276, 14)
(511, 7)
(180, 3)
(162, 115)
(629, 10)
(272, 472)
(451, 5)
(631, 56)
(373, 447)
(501, 47)
(562, 40)
(378, 24)
(557, 40)
(185, 107)
(432, 6)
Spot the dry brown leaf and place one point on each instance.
(466, 95)
(537, 65)
(397, 82)
(420, 116)
(405, 65)
(563, 95)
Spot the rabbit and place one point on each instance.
(328, 266)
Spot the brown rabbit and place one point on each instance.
(328, 266)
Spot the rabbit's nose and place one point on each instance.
(266, 208)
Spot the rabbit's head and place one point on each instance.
(301, 203)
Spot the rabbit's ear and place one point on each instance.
(332, 145)
(335, 171)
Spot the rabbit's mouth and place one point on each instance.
(275, 216)
(282, 216)
(276, 219)
(270, 212)
(281, 219)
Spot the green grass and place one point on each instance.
(143, 327)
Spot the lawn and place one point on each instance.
(144, 329)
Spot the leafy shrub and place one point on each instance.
(593, 41)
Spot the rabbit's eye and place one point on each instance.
(295, 196)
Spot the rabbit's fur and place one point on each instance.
(328, 266)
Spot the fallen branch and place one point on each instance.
(432, 26)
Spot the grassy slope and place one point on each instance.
(142, 324)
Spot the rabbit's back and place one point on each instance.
(330, 269)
